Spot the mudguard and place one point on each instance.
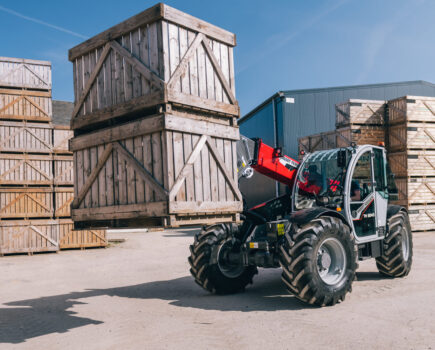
(393, 210)
(305, 216)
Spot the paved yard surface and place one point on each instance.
(139, 295)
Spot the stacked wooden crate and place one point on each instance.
(411, 145)
(26, 173)
(155, 123)
(358, 122)
(35, 164)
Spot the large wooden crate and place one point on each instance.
(61, 137)
(165, 170)
(415, 190)
(29, 236)
(411, 136)
(25, 105)
(63, 170)
(422, 217)
(70, 238)
(360, 135)
(25, 73)
(26, 169)
(318, 142)
(415, 163)
(26, 203)
(158, 56)
(411, 109)
(63, 197)
(364, 112)
(25, 137)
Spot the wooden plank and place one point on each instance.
(90, 180)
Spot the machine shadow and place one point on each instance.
(25, 319)
(369, 276)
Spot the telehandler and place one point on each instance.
(337, 212)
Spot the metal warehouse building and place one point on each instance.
(288, 115)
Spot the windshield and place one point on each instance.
(320, 181)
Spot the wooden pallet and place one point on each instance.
(26, 169)
(29, 236)
(24, 73)
(411, 109)
(26, 203)
(25, 105)
(415, 190)
(363, 112)
(25, 137)
(70, 238)
(318, 142)
(63, 168)
(61, 137)
(360, 135)
(411, 135)
(422, 217)
(412, 163)
(158, 56)
(164, 166)
(63, 197)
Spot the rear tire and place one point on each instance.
(210, 271)
(319, 261)
(396, 260)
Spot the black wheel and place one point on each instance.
(319, 260)
(396, 260)
(210, 266)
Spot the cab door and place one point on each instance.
(361, 195)
(381, 189)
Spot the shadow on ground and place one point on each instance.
(26, 319)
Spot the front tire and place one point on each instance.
(396, 260)
(319, 261)
(208, 266)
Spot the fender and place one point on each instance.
(393, 209)
(304, 216)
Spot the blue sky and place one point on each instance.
(282, 45)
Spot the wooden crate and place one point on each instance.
(360, 135)
(63, 197)
(422, 217)
(29, 236)
(412, 163)
(411, 109)
(25, 105)
(25, 137)
(411, 136)
(166, 169)
(158, 56)
(26, 169)
(26, 203)
(61, 137)
(419, 190)
(63, 170)
(318, 142)
(364, 112)
(70, 238)
(24, 73)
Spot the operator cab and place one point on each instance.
(351, 181)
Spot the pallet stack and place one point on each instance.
(411, 155)
(26, 167)
(155, 124)
(35, 164)
(357, 121)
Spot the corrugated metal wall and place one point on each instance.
(313, 111)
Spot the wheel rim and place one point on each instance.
(228, 268)
(331, 261)
(405, 243)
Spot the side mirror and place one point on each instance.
(341, 158)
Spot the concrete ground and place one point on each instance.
(139, 295)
